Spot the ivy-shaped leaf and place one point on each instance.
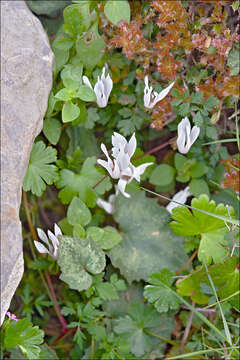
(26, 336)
(78, 260)
(39, 171)
(225, 278)
(148, 245)
(160, 291)
(79, 184)
(211, 229)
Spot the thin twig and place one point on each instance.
(49, 287)
(54, 298)
(159, 147)
(100, 181)
(186, 332)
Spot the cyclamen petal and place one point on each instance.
(41, 248)
(102, 88)
(86, 81)
(131, 146)
(151, 98)
(186, 136)
(140, 170)
(121, 187)
(121, 167)
(180, 197)
(57, 230)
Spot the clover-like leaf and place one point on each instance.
(160, 291)
(79, 259)
(26, 336)
(79, 184)
(225, 278)
(211, 229)
(39, 171)
(148, 245)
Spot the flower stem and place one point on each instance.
(100, 181)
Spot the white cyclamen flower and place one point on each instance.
(180, 197)
(186, 136)
(120, 167)
(102, 88)
(152, 97)
(51, 248)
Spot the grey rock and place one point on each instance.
(26, 78)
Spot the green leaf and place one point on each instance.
(198, 169)
(107, 237)
(106, 291)
(76, 19)
(79, 231)
(162, 175)
(211, 102)
(198, 187)
(179, 161)
(78, 213)
(47, 353)
(225, 278)
(52, 130)
(70, 112)
(235, 6)
(160, 294)
(71, 75)
(213, 246)
(92, 117)
(23, 334)
(198, 119)
(148, 245)
(184, 109)
(79, 184)
(60, 59)
(211, 229)
(197, 98)
(85, 93)
(63, 95)
(211, 132)
(78, 260)
(233, 60)
(117, 10)
(90, 48)
(39, 171)
(139, 323)
(46, 7)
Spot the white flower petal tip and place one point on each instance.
(151, 98)
(52, 245)
(121, 167)
(102, 88)
(186, 136)
(180, 197)
(108, 206)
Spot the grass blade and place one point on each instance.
(221, 217)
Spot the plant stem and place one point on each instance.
(188, 262)
(171, 342)
(49, 287)
(92, 349)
